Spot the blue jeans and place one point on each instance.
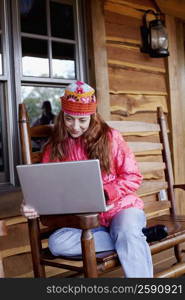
(123, 235)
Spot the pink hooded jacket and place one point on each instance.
(124, 178)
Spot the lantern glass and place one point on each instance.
(159, 37)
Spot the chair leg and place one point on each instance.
(1, 268)
(35, 243)
(3, 232)
(89, 254)
(178, 253)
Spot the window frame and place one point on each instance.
(8, 99)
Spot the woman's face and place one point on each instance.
(76, 125)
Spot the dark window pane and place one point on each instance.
(63, 61)
(33, 16)
(1, 69)
(35, 57)
(62, 21)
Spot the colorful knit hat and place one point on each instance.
(79, 99)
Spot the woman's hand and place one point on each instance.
(29, 212)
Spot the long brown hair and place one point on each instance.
(96, 140)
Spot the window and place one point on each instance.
(41, 51)
(50, 49)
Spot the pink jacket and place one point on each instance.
(124, 178)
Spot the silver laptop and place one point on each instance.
(63, 188)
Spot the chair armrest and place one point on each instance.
(81, 221)
(179, 186)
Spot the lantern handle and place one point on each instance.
(150, 11)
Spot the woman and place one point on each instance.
(80, 134)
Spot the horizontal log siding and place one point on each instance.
(137, 82)
(137, 86)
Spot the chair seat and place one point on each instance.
(100, 256)
(105, 261)
(176, 228)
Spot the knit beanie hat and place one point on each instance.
(79, 99)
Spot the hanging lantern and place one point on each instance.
(154, 36)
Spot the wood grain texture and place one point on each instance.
(150, 198)
(149, 137)
(125, 27)
(157, 209)
(123, 41)
(134, 80)
(20, 231)
(174, 8)
(150, 187)
(145, 148)
(15, 220)
(135, 66)
(176, 103)
(136, 4)
(180, 28)
(100, 57)
(128, 104)
(124, 9)
(20, 266)
(133, 127)
(3, 228)
(145, 116)
(131, 54)
(147, 167)
(2, 274)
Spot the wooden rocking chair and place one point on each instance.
(158, 211)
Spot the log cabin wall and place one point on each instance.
(138, 84)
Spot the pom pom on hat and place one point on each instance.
(79, 99)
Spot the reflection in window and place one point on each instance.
(43, 105)
(63, 60)
(33, 16)
(33, 97)
(35, 57)
(62, 20)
